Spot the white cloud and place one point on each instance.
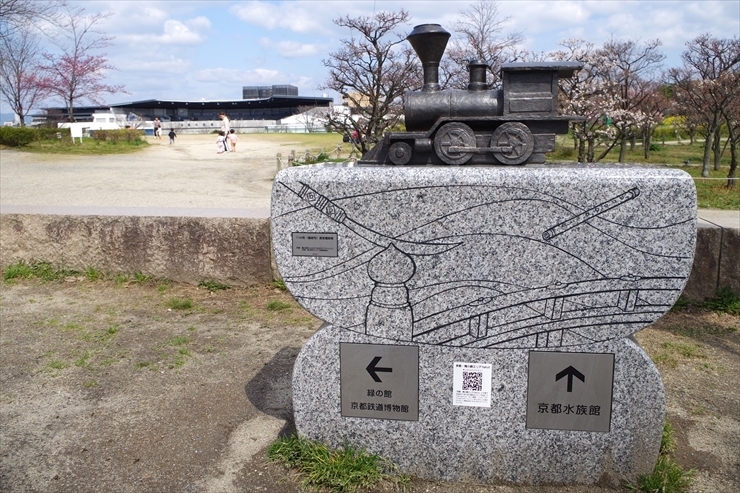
(189, 32)
(299, 17)
(289, 49)
(237, 76)
(174, 32)
(153, 63)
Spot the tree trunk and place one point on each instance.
(633, 142)
(581, 150)
(709, 138)
(717, 149)
(733, 138)
(70, 110)
(733, 165)
(647, 141)
(622, 149)
(590, 151)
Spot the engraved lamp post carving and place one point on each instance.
(389, 312)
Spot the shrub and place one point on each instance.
(35, 269)
(213, 286)
(725, 301)
(348, 469)
(179, 303)
(563, 153)
(121, 135)
(44, 133)
(17, 136)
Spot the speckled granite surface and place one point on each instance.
(481, 444)
(484, 265)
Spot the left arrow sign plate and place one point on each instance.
(379, 381)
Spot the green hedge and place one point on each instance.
(17, 136)
(51, 133)
(22, 136)
(123, 135)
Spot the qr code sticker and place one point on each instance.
(472, 380)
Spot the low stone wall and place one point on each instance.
(187, 249)
(238, 251)
(716, 262)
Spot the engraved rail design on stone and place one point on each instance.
(456, 277)
(325, 205)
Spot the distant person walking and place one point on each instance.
(172, 136)
(225, 127)
(220, 142)
(232, 140)
(157, 128)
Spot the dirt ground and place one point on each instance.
(188, 174)
(151, 386)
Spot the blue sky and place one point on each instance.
(192, 50)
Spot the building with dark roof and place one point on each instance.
(274, 107)
(261, 92)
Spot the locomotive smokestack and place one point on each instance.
(429, 42)
(478, 69)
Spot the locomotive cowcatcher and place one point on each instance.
(513, 125)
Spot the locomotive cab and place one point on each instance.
(513, 125)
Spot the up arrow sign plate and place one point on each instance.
(556, 402)
(570, 372)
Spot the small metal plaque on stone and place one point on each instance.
(379, 381)
(570, 391)
(315, 245)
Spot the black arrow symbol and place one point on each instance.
(371, 369)
(570, 372)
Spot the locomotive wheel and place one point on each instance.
(400, 153)
(454, 135)
(517, 136)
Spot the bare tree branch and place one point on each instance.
(480, 34)
(75, 73)
(372, 70)
(19, 67)
(707, 84)
(26, 14)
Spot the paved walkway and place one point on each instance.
(185, 179)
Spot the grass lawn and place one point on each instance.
(712, 192)
(87, 147)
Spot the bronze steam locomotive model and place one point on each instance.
(513, 125)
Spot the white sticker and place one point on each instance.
(471, 385)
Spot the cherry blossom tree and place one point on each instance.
(20, 85)
(586, 95)
(654, 106)
(615, 92)
(629, 70)
(372, 70)
(706, 85)
(76, 72)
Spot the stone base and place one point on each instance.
(480, 444)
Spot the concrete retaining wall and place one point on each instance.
(188, 249)
(237, 250)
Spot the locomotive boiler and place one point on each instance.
(513, 125)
